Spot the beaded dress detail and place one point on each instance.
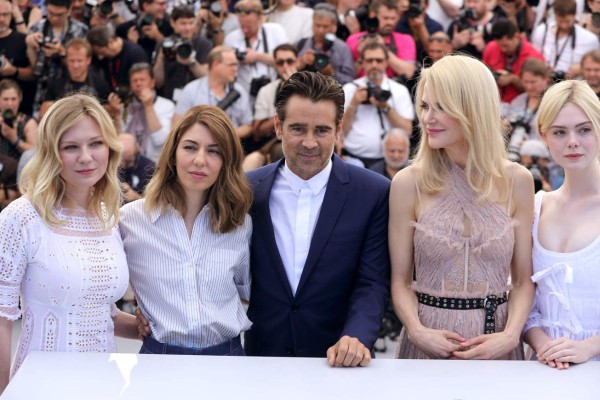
(450, 264)
(68, 278)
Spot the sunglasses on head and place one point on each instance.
(288, 61)
(245, 11)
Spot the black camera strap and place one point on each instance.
(510, 61)
(264, 43)
(392, 45)
(557, 52)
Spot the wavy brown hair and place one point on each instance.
(230, 196)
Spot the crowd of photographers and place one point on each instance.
(149, 61)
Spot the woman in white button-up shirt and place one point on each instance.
(564, 324)
(187, 242)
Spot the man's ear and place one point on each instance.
(278, 125)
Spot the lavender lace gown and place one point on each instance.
(448, 264)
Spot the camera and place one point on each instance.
(214, 6)
(520, 133)
(539, 172)
(558, 76)
(372, 28)
(240, 55)
(464, 18)
(359, 13)
(123, 91)
(322, 58)
(173, 46)
(377, 92)
(596, 19)
(258, 83)
(9, 117)
(132, 6)
(415, 8)
(146, 20)
(229, 99)
(104, 8)
(40, 59)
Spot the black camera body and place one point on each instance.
(375, 91)
(558, 76)
(258, 83)
(124, 92)
(415, 8)
(213, 5)
(229, 99)
(9, 117)
(40, 59)
(240, 55)
(464, 18)
(179, 46)
(322, 58)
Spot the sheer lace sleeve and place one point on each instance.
(15, 224)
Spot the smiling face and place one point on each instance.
(571, 139)
(198, 162)
(443, 131)
(84, 155)
(308, 135)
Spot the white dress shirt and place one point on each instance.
(295, 205)
(189, 288)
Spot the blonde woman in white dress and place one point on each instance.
(61, 252)
(564, 324)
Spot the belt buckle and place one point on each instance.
(493, 300)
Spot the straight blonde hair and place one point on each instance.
(41, 180)
(464, 89)
(230, 197)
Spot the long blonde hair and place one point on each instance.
(230, 197)
(40, 180)
(465, 89)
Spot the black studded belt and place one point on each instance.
(490, 303)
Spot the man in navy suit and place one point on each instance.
(319, 258)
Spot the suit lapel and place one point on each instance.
(262, 193)
(333, 203)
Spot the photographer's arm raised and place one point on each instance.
(401, 67)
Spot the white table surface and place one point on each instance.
(132, 376)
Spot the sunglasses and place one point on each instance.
(245, 11)
(374, 60)
(288, 61)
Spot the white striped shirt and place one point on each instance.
(189, 289)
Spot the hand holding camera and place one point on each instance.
(503, 77)
(8, 127)
(251, 56)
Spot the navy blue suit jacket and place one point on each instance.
(344, 287)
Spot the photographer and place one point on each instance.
(374, 104)
(135, 169)
(563, 43)
(590, 70)
(152, 25)
(352, 15)
(505, 55)
(591, 20)
(17, 130)
(417, 23)
(217, 88)
(214, 21)
(180, 58)
(519, 12)
(115, 55)
(14, 63)
(324, 52)
(471, 29)
(144, 114)
(402, 48)
(79, 78)
(254, 42)
(264, 125)
(535, 77)
(45, 45)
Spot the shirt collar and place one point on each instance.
(316, 183)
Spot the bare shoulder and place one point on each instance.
(523, 180)
(403, 192)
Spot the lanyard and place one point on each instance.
(113, 69)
